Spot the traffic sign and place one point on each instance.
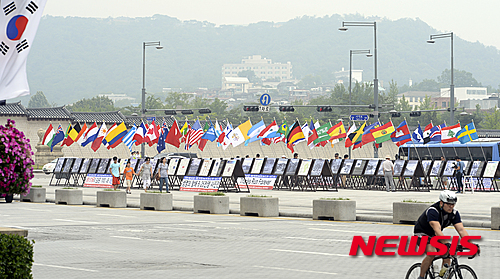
(265, 99)
(358, 117)
(151, 118)
(264, 109)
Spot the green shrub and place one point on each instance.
(16, 256)
(415, 201)
(211, 194)
(36, 186)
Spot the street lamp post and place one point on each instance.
(452, 86)
(351, 52)
(373, 24)
(143, 108)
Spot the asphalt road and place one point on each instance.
(89, 242)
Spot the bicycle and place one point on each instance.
(455, 271)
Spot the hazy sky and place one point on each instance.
(471, 20)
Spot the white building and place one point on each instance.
(466, 93)
(357, 75)
(262, 67)
(237, 84)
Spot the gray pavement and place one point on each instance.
(89, 242)
(375, 206)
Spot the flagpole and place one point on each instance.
(454, 149)
(441, 142)
(428, 149)
(480, 145)
(416, 150)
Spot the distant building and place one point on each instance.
(262, 67)
(466, 93)
(117, 97)
(343, 75)
(415, 98)
(235, 84)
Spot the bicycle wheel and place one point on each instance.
(466, 271)
(414, 272)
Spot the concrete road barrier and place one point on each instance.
(259, 206)
(407, 212)
(211, 204)
(156, 201)
(495, 218)
(337, 210)
(69, 196)
(116, 199)
(36, 194)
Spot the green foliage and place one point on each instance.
(153, 102)
(259, 196)
(36, 186)
(177, 100)
(39, 101)
(16, 256)
(211, 194)
(335, 199)
(427, 117)
(67, 65)
(491, 120)
(96, 104)
(461, 78)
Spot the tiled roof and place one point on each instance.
(13, 109)
(108, 117)
(60, 113)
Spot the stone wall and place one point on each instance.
(30, 129)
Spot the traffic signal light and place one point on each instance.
(170, 112)
(287, 109)
(186, 111)
(250, 108)
(205, 110)
(395, 114)
(324, 109)
(373, 115)
(415, 113)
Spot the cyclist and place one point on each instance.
(433, 221)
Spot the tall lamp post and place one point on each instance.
(452, 86)
(373, 24)
(143, 109)
(351, 52)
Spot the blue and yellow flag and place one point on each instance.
(468, 133)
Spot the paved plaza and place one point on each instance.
(89, 242)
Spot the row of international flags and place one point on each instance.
(313, 134)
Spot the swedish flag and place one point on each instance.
(468, 133)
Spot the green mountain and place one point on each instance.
(74, 57)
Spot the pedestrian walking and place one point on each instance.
(129, 175)
(161, 173)
(388, 167)
(114, 169)
(146, 174)
(459, 174)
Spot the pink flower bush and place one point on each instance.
(16, 165)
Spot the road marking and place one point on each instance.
(305, 238)
(66, 220)
(159, 240)
(185, 229)
(126, 237)
(116, 215)
(65, 267)
(495, 240)
(333, 230)
(308, 252)
(319, 224)
(212, 222)
(291, 269)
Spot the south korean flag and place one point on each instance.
(19, 21)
